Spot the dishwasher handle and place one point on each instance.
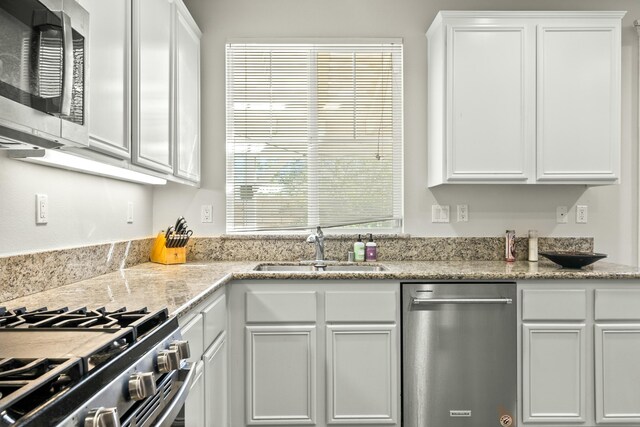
(434, 301)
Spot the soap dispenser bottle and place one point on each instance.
(358, 249)
(371, 251)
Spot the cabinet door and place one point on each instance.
(489, 93)
(578, 103)
(280, 374)
(194, 407)
(362, 374)
(215, 371)
(152, 88)
(553, 373)
(110, 42)
(187, 106)
(617, 352)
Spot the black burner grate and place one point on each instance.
(64, 318)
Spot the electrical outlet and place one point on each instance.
(561, 215)
(439, 213)
(206, 213)
(582, 212)
(463, 213)
(130, 213)
(42, 209)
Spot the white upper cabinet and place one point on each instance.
(110, 43)
(524, 97)
(490, 93)
(579, 101)
(187, 96)
(152, 88)
(166, 89)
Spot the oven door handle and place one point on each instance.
(168, 415)
(67, 73)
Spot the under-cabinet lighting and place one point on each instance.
(80, 164)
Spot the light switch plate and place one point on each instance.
(439, 213)
(561, 215)
(463, 213)
(582, 213)
(206, 213)
(130, 213)
(42, 209)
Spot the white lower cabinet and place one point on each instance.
(194, 407)
(553, 373)
(280, 374)
(361, 362)
(315, 353)
(617, 356)
(215, 372)
(580, 347)
(205, 329)
(192, 331)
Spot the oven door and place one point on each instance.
(43, 68)
(173, 412)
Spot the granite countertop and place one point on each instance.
(182, 287)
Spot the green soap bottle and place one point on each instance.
(358, 249)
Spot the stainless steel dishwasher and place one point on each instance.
(459, 354)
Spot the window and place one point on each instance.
(314, 136)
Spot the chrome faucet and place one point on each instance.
(318, 239)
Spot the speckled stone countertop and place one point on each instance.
(182, 287)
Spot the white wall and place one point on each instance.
(83, 209)
(612, 209)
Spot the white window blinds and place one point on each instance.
(314, 136)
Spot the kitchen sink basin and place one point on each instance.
(325, 268)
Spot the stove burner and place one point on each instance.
(21, 369)
(53, 360)
(64, 318)
(27, 383)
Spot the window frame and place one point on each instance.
(313, 204)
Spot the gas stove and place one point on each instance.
(82, 367)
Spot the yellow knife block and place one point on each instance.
(163, 255)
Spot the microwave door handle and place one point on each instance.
(67, 74)
(168, 415)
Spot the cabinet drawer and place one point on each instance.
(215, 320)
(360, 306)
(193, 332)
(281, 306)
(617, 304)
(557, 304)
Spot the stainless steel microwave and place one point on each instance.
(43, 73)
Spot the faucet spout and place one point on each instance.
(318, 239)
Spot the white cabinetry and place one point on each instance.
(362, 386)
(144, 95)
(579, 101)
(215, 367)
(166, 95)
(281, 374)
(205, 329)
(508, 104)
(553, 372)
(110, 41)
(152, 84)
(318, 352)
(580, 343)
(187, 95)
(193, 413)
(617, 352)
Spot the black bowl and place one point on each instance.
(573, 259)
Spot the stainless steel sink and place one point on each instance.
(316, 268)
